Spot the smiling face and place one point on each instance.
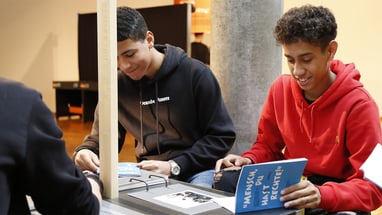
(135, 58)
(309, 65)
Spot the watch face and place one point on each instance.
(175, 170)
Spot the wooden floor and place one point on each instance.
(74, 131)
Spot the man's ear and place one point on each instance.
(150, 37)
(332, 48)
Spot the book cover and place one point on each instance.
(128, 169)
(259, 185)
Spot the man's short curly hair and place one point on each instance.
(313, 24)
(130, 24)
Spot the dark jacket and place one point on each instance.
(183, 115)
(33, 159)
(201, 52)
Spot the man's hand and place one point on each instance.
(301, 195)
(230, 161)
(162, 167)
(85, 159)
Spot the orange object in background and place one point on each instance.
(201, 17)
(75, 110)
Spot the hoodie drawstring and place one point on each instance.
(302, 127)
(301, 115)
(141, 114)
(156, 117)
(311, 124)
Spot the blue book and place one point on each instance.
(259, 185)
(128, 169)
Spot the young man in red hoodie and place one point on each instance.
(320, 111)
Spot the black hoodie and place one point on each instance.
(179, 114)
(33, 159)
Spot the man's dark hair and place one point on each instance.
(130, 24)
(315, 25)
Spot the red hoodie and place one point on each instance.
(336, 133)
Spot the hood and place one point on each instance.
(173, 57)
(347, 79)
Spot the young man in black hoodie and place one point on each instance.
(170, 103)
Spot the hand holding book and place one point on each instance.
(259, 185)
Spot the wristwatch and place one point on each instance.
(174, 168)
(95, 177)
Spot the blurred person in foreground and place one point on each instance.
(34, 161)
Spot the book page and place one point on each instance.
(228, 203)
(185, 198)
(182, 198)
(371, 167)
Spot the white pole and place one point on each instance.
(107, 95)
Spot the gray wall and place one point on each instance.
(245, 59)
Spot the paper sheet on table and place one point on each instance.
(371, 167)
(228, 203)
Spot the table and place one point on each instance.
(76, 98)
(126, 204)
